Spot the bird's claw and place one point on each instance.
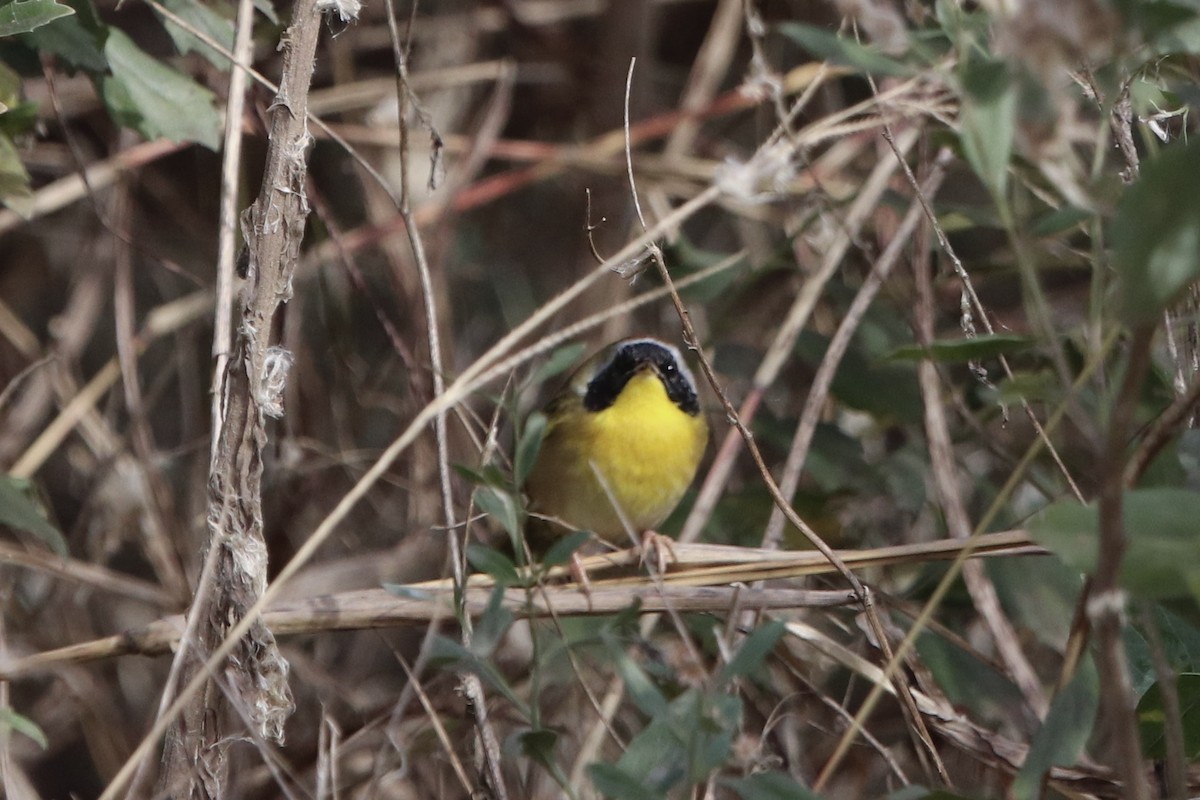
(661, 546)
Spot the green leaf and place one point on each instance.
(645, 695)
(829, 46)
(612, 781)
(24, 725)
(18, 119)
(23, 16)
(1061, 220)
(538, 745)
(267, 10)
(1064, 732)
(952, 351)
(500, 506)
(15, 191)
(559, 362)
(10, 94)
(1152, 717)
(988, 120)
(1168, 28)
(1160, 526)
(491, 625)
(687, 742)
(1181, 643)
(205, 20)
(769, 786)
(77, 40)
(562, 550)
(487, 475)
(18, 511)
(155, 99)
(529, 446)
(494, 563)
(753, 652)
(1041, 595)
(975, 687)
(657, 756)
(886, 390)
(1042, 386)
(1156, 234)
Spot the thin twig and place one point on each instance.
(821, 384)
(1162, 431)
(252, 390)
(166, 319)
(1106, 599)
(87, 574)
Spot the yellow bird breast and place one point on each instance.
(643, 446)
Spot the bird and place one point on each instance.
(623, 441)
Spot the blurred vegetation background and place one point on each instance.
(1010, 350)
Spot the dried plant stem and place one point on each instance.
(693, 566)
(235, 573)
(158, 539)
(65, 191)
(1106, 600)
(227, 233)
(821, 383)
(1161, 432)
(368, 609)
(946, 478)
(86, 574)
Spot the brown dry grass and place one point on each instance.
(810, 221)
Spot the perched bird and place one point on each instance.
(623, 441)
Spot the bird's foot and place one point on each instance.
(579, 573)
(658, 546)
